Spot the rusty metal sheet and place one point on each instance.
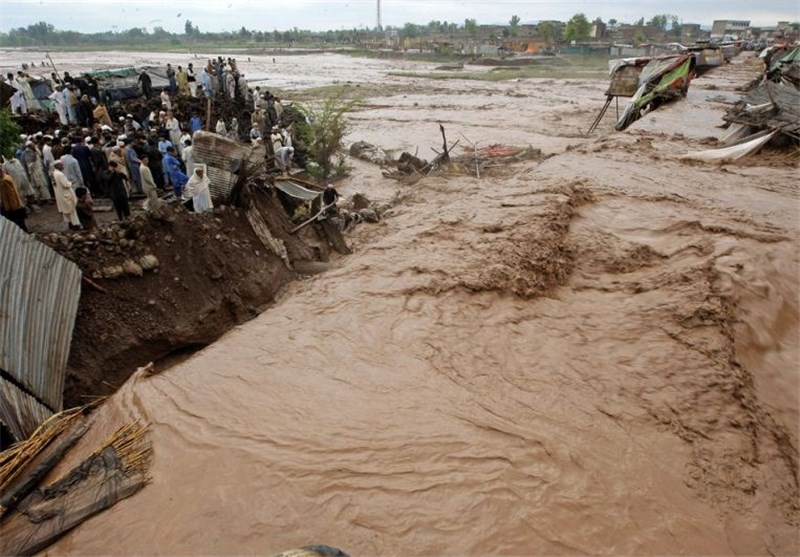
(20, 412)
(226, 160)
(625, 81)
(39, 293)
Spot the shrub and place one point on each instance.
(323, 132)
(9, 134)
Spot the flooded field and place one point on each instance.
(594, 353)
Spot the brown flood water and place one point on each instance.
(595, 354)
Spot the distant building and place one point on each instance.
(729, 27)
(598, 30)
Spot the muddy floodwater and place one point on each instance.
(595, 352)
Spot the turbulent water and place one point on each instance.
(595, 353)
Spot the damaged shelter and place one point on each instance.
(121, 84)
(661, 80)
(768, 114)
(648, 82)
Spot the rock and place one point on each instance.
(360, 201)
(369, 215)
(218, 236)
(168, 238)
(151, 302)
(121, 234)
(368, 152)
(132, 268)
(113, 271)
(148, 262)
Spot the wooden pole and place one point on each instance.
(55, 69)
(208, 114)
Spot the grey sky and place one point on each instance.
(267, 15)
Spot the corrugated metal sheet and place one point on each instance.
(39, 293)
(296, 190)
(20, 411)
(226, 160)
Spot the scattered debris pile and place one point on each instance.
(768, 114)
(473, 161)
(782, 65)
(33, 515)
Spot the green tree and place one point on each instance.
(471, 27)
(324, 130)
(578, 28)
(41, 31)
(640, 23)
(187, 28)
(676, 29)
(410, 31)
(660, 21)
(9, 134)
(547, 30)
(159, 33)
(514, 25)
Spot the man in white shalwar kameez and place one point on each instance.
(66, 200)
(197, 189)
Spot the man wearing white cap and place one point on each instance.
(66, 200)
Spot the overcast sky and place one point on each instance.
(267, 15)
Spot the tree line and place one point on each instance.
(577, 28)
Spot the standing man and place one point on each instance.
(72, 104)
(57, 97)
(172, 167)
(71, 168)
(11, 206)
(133, 163)
(174, 129)
(205, 81)
(183, 81)
(118, 191)
(173, 86)
(33, 164)
(147, 84)
(195, 124)
(149, 185)
(66, 200)
(191, 78)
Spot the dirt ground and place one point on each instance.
(590, 352)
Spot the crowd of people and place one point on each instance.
(90, 156)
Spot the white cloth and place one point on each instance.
(197, 189)
(174, 129)
(66, 200)
(221, 129)
(188, 159)
(61, 106)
